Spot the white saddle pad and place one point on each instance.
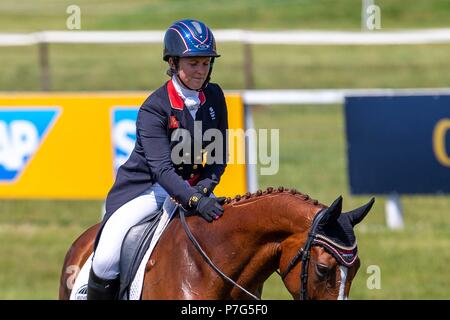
(79, 290)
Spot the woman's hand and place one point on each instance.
(209, 208)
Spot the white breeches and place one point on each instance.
(107, 254)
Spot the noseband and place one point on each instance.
(305, 255)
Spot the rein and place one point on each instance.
(207, 259)
(305, 255)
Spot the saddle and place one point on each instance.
(134, 247)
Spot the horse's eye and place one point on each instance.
(322, 271)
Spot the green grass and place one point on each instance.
(140, 67)
(248, 14)
(34, 238)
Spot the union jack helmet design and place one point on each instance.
(189, 38)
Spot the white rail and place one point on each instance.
(326, 96)
(246, 37)
(292, 37)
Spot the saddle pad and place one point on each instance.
(79, 289)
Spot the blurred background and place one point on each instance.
(413, 261)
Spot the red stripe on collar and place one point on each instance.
(202, 97)
(175, 100)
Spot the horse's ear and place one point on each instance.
(357, 215)
(332, 212)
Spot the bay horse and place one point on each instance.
(313, 247)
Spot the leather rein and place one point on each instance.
(304, 253)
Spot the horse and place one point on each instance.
(312, 247)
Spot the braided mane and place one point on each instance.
(271, 190)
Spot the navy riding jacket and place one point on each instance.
(150, 161)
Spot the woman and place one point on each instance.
(153, 171)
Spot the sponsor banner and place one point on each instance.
(21, 133)
(123, 134)
(69, 146)
(398, 144)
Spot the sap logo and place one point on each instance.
(124, 134)
(21, 132)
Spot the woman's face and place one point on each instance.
(193, 71)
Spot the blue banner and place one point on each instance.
(398, 144)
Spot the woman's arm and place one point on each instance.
(152, 129)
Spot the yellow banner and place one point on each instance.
(67, 146)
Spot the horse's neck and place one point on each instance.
(274, 217)
(263, 224)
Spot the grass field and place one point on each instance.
(34, 235)
(31, 15)
(140, 67)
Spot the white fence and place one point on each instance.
(247, 38)
(326, 96)
(289, 37)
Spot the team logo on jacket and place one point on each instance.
(212, 113)
(173, 122)
(21, 133)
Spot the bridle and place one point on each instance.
(304, 253)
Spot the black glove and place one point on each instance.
(208, 208)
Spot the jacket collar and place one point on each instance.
(202, 97)
(175, 100)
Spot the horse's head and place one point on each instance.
(323, 265)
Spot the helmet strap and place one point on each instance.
(208, 77)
